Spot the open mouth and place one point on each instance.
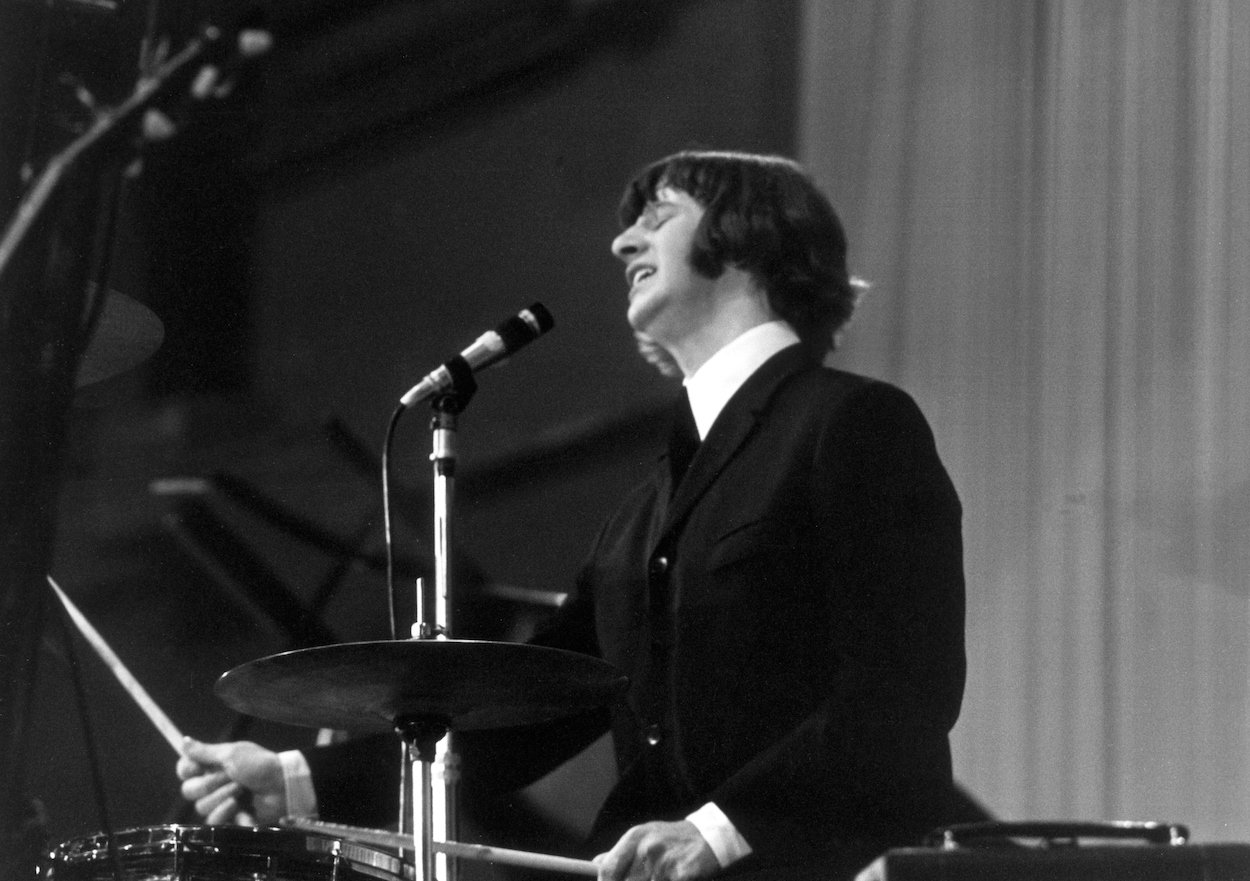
(641, 274)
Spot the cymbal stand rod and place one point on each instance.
(406, 812)
(422, 734)
(429, 859)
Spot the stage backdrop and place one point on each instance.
(1052, 200)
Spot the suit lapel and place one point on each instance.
(735, 424)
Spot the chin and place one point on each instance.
(638, 316)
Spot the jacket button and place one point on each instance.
(651, 734)
(659, 566)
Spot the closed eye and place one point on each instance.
(656, 214)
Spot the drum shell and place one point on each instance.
(220, 853)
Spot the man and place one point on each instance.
(789, 604)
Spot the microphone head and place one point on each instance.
(537, 316)
(524, 327)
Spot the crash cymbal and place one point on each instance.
(463, 684)
(126, 334)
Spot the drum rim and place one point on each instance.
(314, 846)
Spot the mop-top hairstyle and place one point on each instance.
(763, 215)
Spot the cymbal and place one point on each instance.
(126, 333)
(463, 684)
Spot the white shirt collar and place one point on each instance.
(713, 384)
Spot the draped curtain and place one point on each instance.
(1051, 201)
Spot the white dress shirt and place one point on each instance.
(714, 383)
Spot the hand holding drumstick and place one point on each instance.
(239, 782)
(229, 782)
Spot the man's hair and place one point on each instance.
(763, 215)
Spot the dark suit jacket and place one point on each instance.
(791, 621)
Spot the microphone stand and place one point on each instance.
(430, 742)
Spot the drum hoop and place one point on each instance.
(173, 838)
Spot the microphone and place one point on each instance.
(490, 348)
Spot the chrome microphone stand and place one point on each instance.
(430, 742)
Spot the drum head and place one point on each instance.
(220, 853)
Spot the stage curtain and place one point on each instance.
(1052, 203)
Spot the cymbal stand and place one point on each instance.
(430, 740)
(423, 735)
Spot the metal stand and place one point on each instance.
(430, 741)
(422, 735)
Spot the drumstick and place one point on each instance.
(154, 713)
(386, 838)
(516, 858)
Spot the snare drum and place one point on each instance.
(221, 853)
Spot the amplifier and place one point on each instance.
(1063, 851)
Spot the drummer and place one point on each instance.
(785, 591)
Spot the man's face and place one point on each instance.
(668, 299)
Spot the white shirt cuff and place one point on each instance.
(301, 798)
(721, 836)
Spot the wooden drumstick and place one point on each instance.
(386, 838)
(517, 858)
(154, 713)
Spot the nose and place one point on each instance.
(627, 244)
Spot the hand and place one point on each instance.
(659, 852)
(238, 782)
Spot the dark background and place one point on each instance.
(395, 178)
